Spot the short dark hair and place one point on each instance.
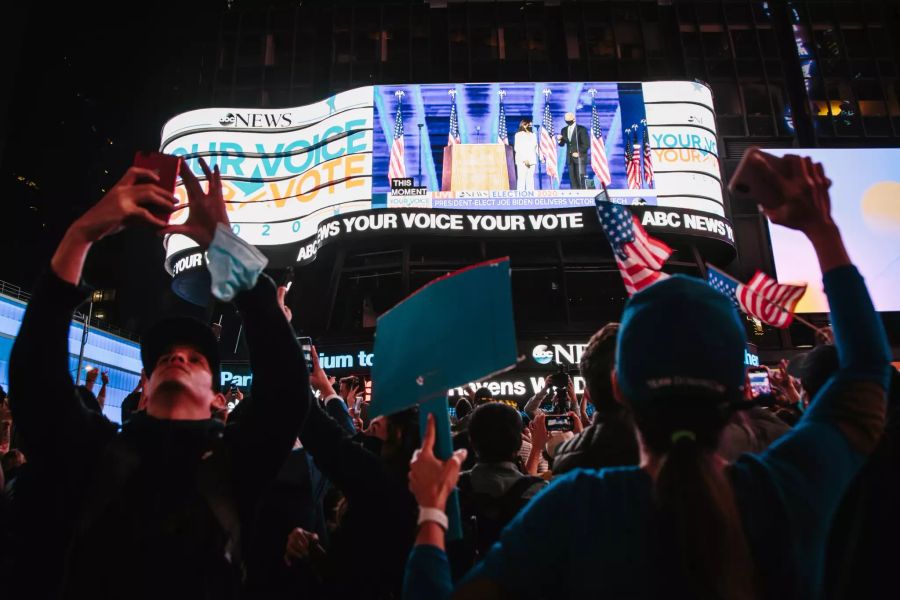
(463, 408)
(482, 395)
(597, 363)
(495, 431)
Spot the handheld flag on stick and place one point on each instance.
(762, 297)
(638, 255)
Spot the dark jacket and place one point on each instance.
(580, 141)
(368, 551)
(157, 510)
(609, 442)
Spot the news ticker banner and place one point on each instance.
(289, 172)
(541, 357)
(713, 235)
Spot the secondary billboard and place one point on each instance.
(865, 204)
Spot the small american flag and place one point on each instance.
(634, 164)
(599, 161)
(548, 143)
(453, 137)
(502, 133)
(639, 256)
(396, 168)
(648, 158)
(762, 297)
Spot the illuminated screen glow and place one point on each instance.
(285, 171)
(865, 204)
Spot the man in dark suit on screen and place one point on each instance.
(575, 139)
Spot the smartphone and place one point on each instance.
(559, 423)
(306, 345)
(753, 180)
(759, 381)
(164, 165)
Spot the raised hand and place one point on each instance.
(803, 202)
(431, 479)
(318, 379)
(205, 209)
(128, 202)
(300, 545)
(282, 292)
(539, 434)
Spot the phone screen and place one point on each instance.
(306, 347)
(559, 423)
(759, 383)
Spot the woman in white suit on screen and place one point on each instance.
(526, 149)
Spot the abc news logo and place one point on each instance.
(260, 120)
(567, 354)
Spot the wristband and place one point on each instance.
(435, 515)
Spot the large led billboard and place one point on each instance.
(389, 158)
(865, 204)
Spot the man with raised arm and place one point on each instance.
(156, 510)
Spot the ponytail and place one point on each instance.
(700, 536)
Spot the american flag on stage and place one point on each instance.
(548, 143)
(762, 297)
(648, 158)
(633, 172)
(396, 168)
(639, 256)
(599, 161)
(453, 137)
(502, 133)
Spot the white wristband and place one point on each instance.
(435, 515)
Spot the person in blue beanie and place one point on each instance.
(684, 523)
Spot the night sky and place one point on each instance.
(91, 84)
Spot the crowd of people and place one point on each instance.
(665, 478)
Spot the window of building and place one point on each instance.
(744, 43)
(871, 98)
(628, 38)
(856, 42)
(653, 41)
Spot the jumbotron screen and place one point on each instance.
(865, 204)
(495, 148)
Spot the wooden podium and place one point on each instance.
(476, 167)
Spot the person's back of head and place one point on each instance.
(495, 432)
(596, 365)
(401, 439)
(815, 368)
(482, 396)
(463, 409)
(681, 401)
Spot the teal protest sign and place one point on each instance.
(458, 328)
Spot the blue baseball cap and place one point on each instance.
(677, 336)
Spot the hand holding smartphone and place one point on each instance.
(164, 165)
